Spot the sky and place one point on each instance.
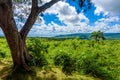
(63, 18)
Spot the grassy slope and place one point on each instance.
(39, 74)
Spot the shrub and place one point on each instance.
(39, 60)
(98, 66)
(37, 53)
(2, 54)
(67, 63)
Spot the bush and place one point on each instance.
(39, 60)
(67, 63)
(34, 45)
(96, 65)
(2, 54)
(37, 53)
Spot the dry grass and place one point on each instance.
(39, 74)
(57, 74)
(5, 67)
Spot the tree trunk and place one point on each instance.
(15, 39)
(16, 44)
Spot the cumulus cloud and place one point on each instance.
(110, 19)
(74, 22)
(68, 15)
(100, 10)
(107, 6)
(103, 25)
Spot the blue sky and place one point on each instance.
(63, 18)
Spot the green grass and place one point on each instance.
(92, 60)
(37, 73)
(42, 74)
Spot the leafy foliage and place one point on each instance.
(97, 59)
(100, 59)
(37, 52)
(67, 63)
(2, 55)
(97, 35)
(4, 50)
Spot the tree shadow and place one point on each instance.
(19, 74)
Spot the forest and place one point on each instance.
(65, 59)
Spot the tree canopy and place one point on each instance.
(97, 35)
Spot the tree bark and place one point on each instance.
(16, 43)
(16, 39)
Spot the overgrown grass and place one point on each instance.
(69, 59)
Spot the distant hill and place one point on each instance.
(86, 35)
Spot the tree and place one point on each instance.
(17, 39)
(97, 35)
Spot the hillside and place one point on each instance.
(86, 35)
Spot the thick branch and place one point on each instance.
(33, 16)
(34, 3)
(47, 5)
(31, 19)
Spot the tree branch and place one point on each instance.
(31, 19)
(47, 5)
(33, 16)
(34, 3)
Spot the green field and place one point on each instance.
(66, 59)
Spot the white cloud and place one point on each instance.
(98, 10)
(110, 19)
(67, 13)
(114, 29)
(107, 6)
(101, 26)
(104, 26)
(74, 22)
(111, 12)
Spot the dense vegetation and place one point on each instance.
(71, 56)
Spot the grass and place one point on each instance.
(102, 60)
(37, 73)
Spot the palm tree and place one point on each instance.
(97, 35)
